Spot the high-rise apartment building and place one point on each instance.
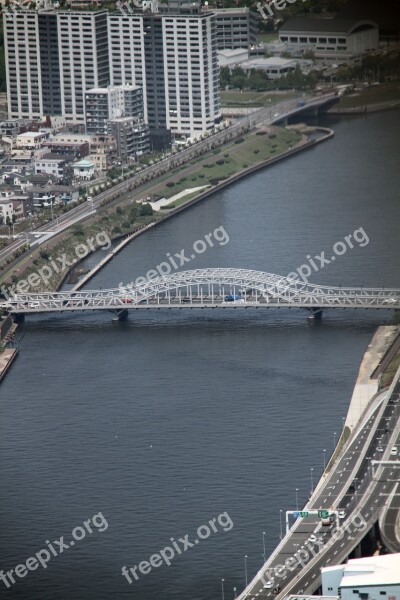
(55, 56)
(52, 58)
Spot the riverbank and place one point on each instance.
(304, 144)
(365, 109)
(7, 358)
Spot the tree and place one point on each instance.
(146, 210)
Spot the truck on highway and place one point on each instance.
(232, 298)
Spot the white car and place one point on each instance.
(393, 451)
(379, 449)
(312, 538)
(342, 514)
(34, 305)
(268, 585)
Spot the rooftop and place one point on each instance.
(312, 25)
(370, 571)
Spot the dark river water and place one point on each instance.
(170, 420)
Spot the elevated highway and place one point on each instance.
(362, 496)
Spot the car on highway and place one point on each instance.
(379, 449)
(34, 305)
(342, 514)
(268, 585)
(312, 538)
(393, 451)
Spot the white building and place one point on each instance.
(228, 58)
(371, 578)
(51, 165)
(83, 169)
(52, 57)
(330, 39)
(31, 140)
(274, 67)
(112, 102)
(173, 57)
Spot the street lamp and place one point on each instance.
(312, 480)
(280, 520)
(234, 591)
(222, 583)
(245, 567)
(334, 440)
(297, 499)
(324, 459)
(264, 545)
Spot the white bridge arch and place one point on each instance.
(208, 288)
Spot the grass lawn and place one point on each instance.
(232, 158)
(372, 95)
(250, 99)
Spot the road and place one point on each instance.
(350, 487)
(264, 115)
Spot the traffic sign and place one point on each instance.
(324, 514)
(303, 514)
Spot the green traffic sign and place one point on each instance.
(323, 514)
(303, 514)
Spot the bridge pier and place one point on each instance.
(315, 314)
(19, 318)
(121, 315)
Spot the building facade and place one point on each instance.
(112, 102)
(330, 39)
(236, 28)
(54, 57)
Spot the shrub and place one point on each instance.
(44, 254)
(245, 165)
(272, 136)
(256, 151)
(170, 184)
(220, 161)
(118, 210)
(201, 175)
(167, 207)
(117, 229)
(217, 151)
(239, 140)
(226, 155)
(261, 132)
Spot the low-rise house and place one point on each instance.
(6, 211)
(30, 141)
(83, 169)
(54, 165)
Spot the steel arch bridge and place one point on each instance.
(207, 288)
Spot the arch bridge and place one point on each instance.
(207, 288)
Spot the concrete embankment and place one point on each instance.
(367, 383)
(7, 358)
(326, 135)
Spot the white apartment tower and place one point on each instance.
(173, 56)
(52, 57)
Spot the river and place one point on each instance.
(171, 419)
